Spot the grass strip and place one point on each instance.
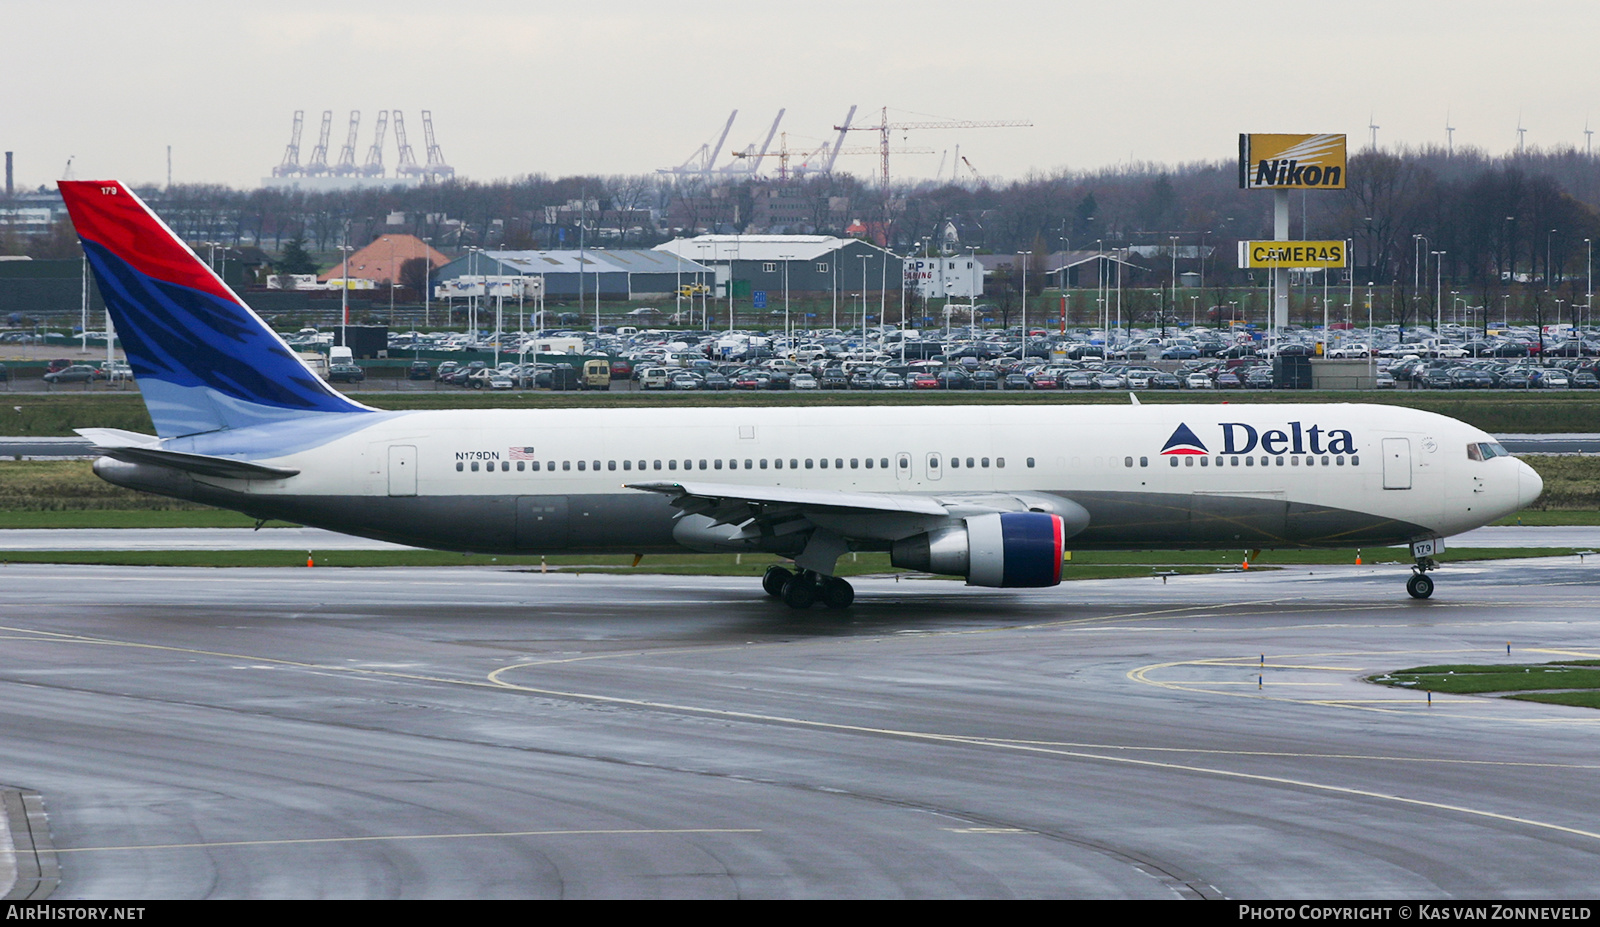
(1560, 682)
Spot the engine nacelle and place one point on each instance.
(1003, 549)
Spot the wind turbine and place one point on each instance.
(1374, 129)
(1450, 135)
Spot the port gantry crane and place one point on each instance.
(347, 154)
(291, 154)
(374, 165)
(318, 165)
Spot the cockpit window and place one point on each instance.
(1486, 450)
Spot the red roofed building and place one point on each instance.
(381, 261)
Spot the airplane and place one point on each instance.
(990, 493)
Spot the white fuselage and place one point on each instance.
(1374, 464)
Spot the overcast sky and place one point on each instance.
(629, 86)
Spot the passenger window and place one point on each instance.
(1188, 461)
(808, 463)
(611, 465)
(672, 465)
(824, 463)
(763, 463)
(1030, 462)
(1000, 463)
(1339, 460)
(1205, 461)
(869, 463)
(1249, 461)
(955, 462)
(522, 465)
(1355, 461)
(985, 462)
(1143, 461)
(536, 466)
(1174, 461)
(748, 464)
(657, 465)
(884, 461)
(855, 463)
(597, 466)
(641, 465)
(460, 466)
(1280, 461)
(838, 463)
(794, 464)
(627, 465)
(1324, 461)
(583, 464)
(1127, 461)
(718, 463)
(703, 464)
(969, 462)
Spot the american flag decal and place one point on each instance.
(522, 453)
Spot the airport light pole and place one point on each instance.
(1022, 351)
(788, 330)
(1438, 292)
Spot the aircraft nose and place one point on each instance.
(1529, 485)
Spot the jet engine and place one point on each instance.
(1002, 549)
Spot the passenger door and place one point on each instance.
(402, 470)
(1396, 463)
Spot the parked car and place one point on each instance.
(346, 373)
(72, 373)
(420, 370)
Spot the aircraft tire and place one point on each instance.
(772, 581)
(1419, 586)
(837, 593)
(799, 591)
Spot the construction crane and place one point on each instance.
(374, 165)
(347, 154)
(884, 127)
(784, 155)
(408, 166)
(319, 155)
(291, 154)
(436, 168)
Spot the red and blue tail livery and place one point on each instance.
(204, 361)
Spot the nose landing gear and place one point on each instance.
(1419, 586)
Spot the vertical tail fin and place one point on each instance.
(203, 359)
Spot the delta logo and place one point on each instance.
(1184, 441)
(1240, 438)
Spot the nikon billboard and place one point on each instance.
(1291, 162)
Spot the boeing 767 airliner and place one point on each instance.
(989, 493)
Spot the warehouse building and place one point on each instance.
(816, 265)
(626, 274)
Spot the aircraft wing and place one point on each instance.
(834, 518)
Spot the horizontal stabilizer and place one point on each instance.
(132, 447)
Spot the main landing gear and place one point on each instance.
(1419, 586)
(803, 588)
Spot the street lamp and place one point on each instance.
(1022, 351)
(1438, 292)
(788, 332)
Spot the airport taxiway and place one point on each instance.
(470, 732)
